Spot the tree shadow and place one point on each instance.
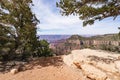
(6, 66)
(44, 62)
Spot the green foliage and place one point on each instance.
(46, 51)
(43, 49)
(111, 48)
(119, 32)
(90, 10)
(18, 29)
(17, 25)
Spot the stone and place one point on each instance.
(77, 64)
(14, 71)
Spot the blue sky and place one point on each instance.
(52, 22)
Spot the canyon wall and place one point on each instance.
(66, 46)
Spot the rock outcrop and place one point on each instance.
(93, 73)
(96, 65)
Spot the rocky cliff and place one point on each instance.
(78, 42)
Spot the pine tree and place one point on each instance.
(17, 27)
(90, 10)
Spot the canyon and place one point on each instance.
(65, 46)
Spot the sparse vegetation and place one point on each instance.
(111, 48)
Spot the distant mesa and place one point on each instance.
(53, 38)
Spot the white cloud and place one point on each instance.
(53, 23)
(49, 18)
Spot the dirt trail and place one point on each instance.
(46, 69)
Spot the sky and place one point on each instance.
(52, 22)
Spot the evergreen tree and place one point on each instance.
(90, 10)
(119, 32)
(17, 27)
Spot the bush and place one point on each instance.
(110, 48)
(1, 57)
(43, 49)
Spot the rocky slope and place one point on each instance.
(95, 64)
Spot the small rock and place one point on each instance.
(78, 64)
(0, 62)
(118, 57)
(14, 71)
